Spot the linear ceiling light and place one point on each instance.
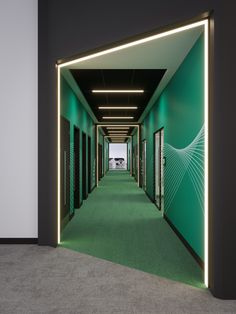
(117, 118)
(111, 132)
(117, 108)
(134, 43)
(117, 135)
(118, 128)
(139, 91)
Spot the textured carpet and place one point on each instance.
(42, 280)
(120, 224)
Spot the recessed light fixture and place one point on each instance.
(117, 136)
(118, 128)
(139, 91)
(117, 118)
(112, 132)
(117, 108)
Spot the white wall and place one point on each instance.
(18, 118)
(117, 151)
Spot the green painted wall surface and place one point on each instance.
(180, 110)
(74, 111)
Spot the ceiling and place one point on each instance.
(125, 79)
(117, 133)
(138, 66)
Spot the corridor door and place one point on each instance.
(65, 169)
(76, 167)
(89, 164)
(84, 166)
(100, 161)
(159, 168)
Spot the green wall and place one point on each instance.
(180, 110)
(73, 110)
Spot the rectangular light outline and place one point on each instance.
(204, 23)
(102, 125)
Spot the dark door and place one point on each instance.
(100, 161)
(84, 167)
(76, 167)
(89, 164)
(135, 163)
(65, 168)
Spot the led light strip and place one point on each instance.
(117, 108)
(206, 151)
(120, 135)
(58, 155)
(134, 43)
(129, 91)
(113, 132)
(118, 128)
(117, 118)
(206, 108)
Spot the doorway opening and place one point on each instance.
(76, 167)
(65, 170)
(100, 163)
(89, 164)
(118, 156)
(154, 185)
(84, 166)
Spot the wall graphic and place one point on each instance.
(180, 110)
(186, 161)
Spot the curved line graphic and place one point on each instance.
(185, 161)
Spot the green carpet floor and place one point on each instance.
(119, 223)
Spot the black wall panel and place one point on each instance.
(69, 27)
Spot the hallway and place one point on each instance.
(118, 223)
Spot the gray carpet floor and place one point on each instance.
(37, 279)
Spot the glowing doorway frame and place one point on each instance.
(128, 137)
(203, 22)
(138, 143)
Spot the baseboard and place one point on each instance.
(185, 243)
(93, 188)
(18, 240)
(71, 215)
(150, 198)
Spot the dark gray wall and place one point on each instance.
(68, 27)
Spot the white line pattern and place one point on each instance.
(186, 161)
